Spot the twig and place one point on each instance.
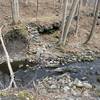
(12, 82)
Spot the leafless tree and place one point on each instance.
(95, 5)
(15, 11)
(94, 22)
(37, 9)
(78, 17)
(26, 2)
(69, 20)
(65, 5)
(85, 2)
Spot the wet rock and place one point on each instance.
(98, 79)
(87, 85)
(86, 93)
(53, 86)
(74, 93)
(56, 25)
(58, 69)
(78, 83)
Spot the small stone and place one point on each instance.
(86, 93)
(20, 66)
(27, 65)
(27, 98)
(53, 86)
(70, 98)
(66, 89)
(74, 87)
(78, 83)
(87, 85)
(70, 84)
(73, 92)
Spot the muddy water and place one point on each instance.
(26, 72)
(85, 71)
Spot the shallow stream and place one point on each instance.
(27, 72)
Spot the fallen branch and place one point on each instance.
(12, 82)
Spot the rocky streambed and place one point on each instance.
(72, 81)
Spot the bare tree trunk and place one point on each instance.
(78, 17)
(54, 3)
(95, 5)
(8, 61)
(70, 1)
(85, 2)
(65, 5)
(37, 9)
(94, 23)
(15, 11)
(81, 3)
(61, 3)
(69, 20)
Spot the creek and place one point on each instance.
(26, 72)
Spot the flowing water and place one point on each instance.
(27, 72)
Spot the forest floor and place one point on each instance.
(47, 14)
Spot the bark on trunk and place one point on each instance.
(37, 9)
(15, 11)
(94, 23)
(65, 5)
(69, 20)
(95, 5)
(78, 17)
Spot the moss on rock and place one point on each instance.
(16, 33)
